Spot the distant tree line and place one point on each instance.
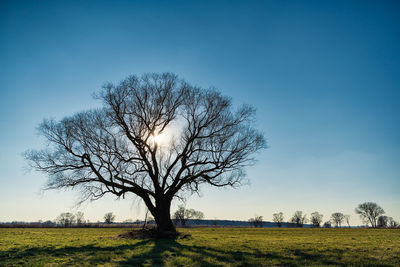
(371, 214)
(67, 219)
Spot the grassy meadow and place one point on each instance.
(205, 247)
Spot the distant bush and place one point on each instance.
(327, 224)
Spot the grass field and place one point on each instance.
(206, 247)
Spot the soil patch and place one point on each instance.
(153, 233)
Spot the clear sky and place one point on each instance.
(323, 75)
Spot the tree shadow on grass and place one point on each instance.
(90, 254)
(160, 252)
(177, 254)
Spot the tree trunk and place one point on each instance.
(162, 217)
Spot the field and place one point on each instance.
(206, 247)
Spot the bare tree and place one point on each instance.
(198, 217)
(392, 223)
(257, 221)
(337, 218)
(347, 219)
(117, 149)
(278, 218)
(298, 218)
(182, 215)
(316, 219)
(369, 212)
(109, 217)
(80, 218)
(383, 221)
(66, 219)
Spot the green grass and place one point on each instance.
(207, 247)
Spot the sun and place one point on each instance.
(165, 138)
(159, 138)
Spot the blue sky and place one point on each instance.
(323, 75)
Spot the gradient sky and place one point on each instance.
(323, 75)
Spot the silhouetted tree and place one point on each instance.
(278, 218)
(109, 217)
(383, 221)
(66, 219)
(369, 212)
(80, 218)
(347, 219)
(392, 223)
(257, 221)
(337, 218)
(327, 224)
(298, 218)
(316, 219)
(116, 149)
(182, 215)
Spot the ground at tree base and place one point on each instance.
(152, 233)
(205, 247)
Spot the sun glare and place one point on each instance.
(166, 137)
(159, 138)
